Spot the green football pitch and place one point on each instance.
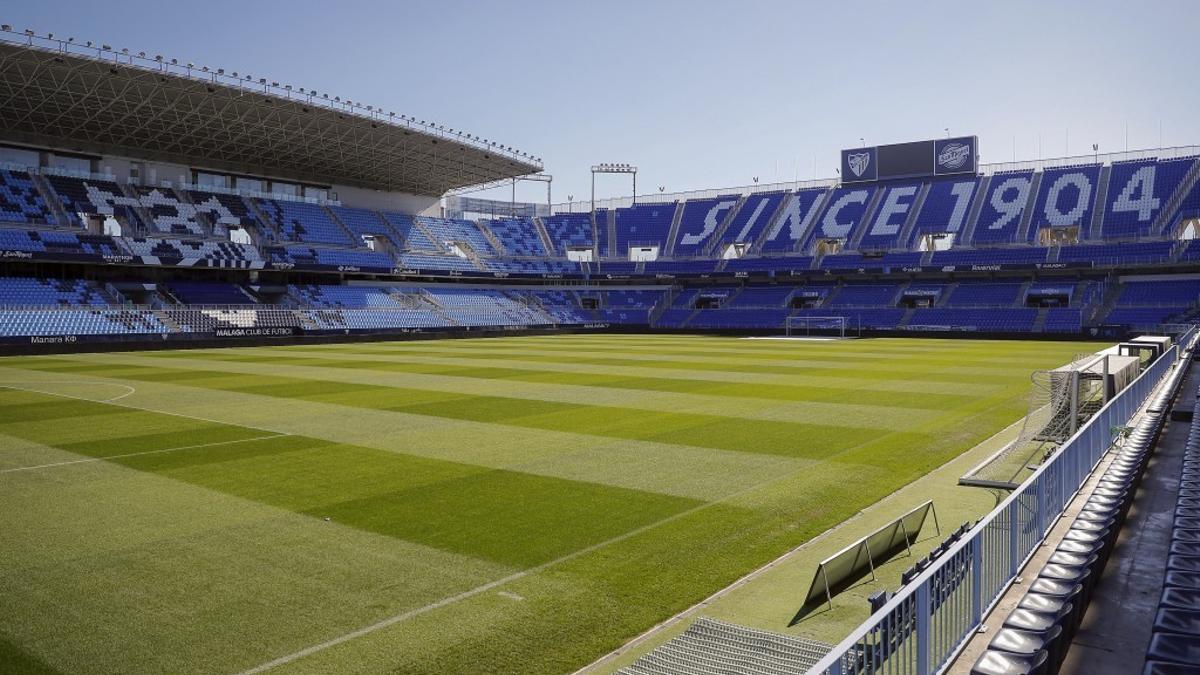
(506, 505)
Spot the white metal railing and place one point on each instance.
(157, 64)
(922, 628)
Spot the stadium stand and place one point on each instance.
(752, 218)
(83, 197)
(700, 220)
(20, 201)
(644, 225)
(303, 222)
(570, 231)
(518, 236)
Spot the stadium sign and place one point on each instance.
(919, 159)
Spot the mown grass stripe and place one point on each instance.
(813, 441)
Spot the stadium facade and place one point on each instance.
(145, 200)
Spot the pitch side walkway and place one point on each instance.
(1115, 632)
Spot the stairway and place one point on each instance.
(676, 218)
(167, 321)
(544, 235)
(914, 212)
(1166, 215)
(358, 241)
(968, 231)
(944, 298)
(1021, 293)
(1108, 300)
(491, 238)
(611, 225)
(1035, 185)
(714, 240)
(864, 223)
(663, 305)
(1039, 323)
(51, 199)
(274, 236)
(1093, 230)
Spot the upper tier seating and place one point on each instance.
(1118, 254)
(332, 257)
(895, 207)
(45, 292)
(795, 218)
(945, 209)
(569, 231)
(415, 238)
(93, 197)
(304, 222)
(53, 241)
(367, 222)
(752, 218)
(423, 261)
(185, 251)
(459, 232)
(169, 214)
(645, 225)
(1065, 197)
(699, 221)
(846, 208)
(518, 236)
(1015, 255)
(20, 200)
(1137, 191)
(223, 211)
(1003, 208)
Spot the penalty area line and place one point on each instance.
(139, 454)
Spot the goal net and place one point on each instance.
(800, 326)
(1060, 401)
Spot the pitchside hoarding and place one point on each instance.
(920, 159)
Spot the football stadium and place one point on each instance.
(293, 383)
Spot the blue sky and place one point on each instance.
(702, 94)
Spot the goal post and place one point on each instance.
(799, 326)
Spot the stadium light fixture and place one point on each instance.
(5, 27)
(104, 47)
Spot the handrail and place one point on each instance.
(991, 553)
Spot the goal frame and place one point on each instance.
(822, 323)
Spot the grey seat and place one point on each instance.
(1006, 663)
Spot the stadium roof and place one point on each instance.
(96, 99)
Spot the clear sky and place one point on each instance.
(703, 94)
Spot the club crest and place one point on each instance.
(859, 162)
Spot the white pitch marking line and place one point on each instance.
(472, 592)
(129, 391)
(510, 596)
(136, 407)
(138, 454)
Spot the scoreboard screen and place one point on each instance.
(919, 159)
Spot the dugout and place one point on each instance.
(1155, 344)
